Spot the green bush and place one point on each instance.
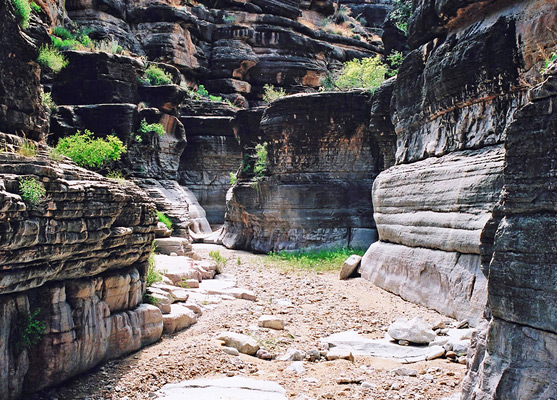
(36, 7)
(64, 39)
(30, 331)
(145, 128)
(90, 152)
(46, 100)
(394, 60)
(164, 219)
(261, 156)
(233, 178)
(271, 94)
(153, 276)
(62, 32)
(23, 12)
(32, 191)
(367, 73)
(547, 62)
(201, 91)
(156, 76)
(401, 13)
(52, 58)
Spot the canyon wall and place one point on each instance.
(466, 214)
(452, 103)
(74, 262)
(315, 189)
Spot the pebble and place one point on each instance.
(293, 355)
(297, 367)
(264, 354)
(405, 372)
(231, 350)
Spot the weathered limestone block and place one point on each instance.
(81, 331)
(321, 165)
(439, 203)
(449, 282)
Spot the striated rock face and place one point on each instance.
(518, 357)
(452, 104)
(79, 260)
(320, 168)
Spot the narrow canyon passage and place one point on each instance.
(314, 305)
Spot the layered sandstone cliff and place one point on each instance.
(73, 262)
(315, 189)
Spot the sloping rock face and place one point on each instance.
(518, 356)
(315, 190)
(452, 104)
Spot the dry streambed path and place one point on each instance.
(314, 305)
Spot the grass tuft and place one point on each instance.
(319, 260)
(164, 219)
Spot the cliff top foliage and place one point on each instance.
(52, 58)
(401, 14)
(366, 73)
(23, 12)
(156, 76)
(271, 93)
(90, 152)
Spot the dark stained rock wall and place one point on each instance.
(453, 101)
(518, 357)
(315, 192)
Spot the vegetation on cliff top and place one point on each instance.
(23, 12)
(90, 152)
(156, 76)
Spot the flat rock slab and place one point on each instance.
(358, 345)
(350, 266)
(235, 388)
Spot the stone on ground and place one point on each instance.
(180, 246)
(349, 266)
(270, 321)
(414, 331)
(225, 388)
(161, 231)
(179, 318)
(243, 343)
(293, 355)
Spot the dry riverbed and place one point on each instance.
(320, 305)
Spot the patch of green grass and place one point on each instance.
(36, 7)
(52, 58)
(90, 152)
(164, 219)
(320, 260)
(156, 76)
(219, 259)
(149, 299)
(233, 178)
(145, 128)
(28, 149)
(32, 191)
(23, 12)
(116, 175)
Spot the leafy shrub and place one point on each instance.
(367, 73)
(153, 276)
(63, 39)
(233, 178)
(219, 259)
(202, 92)
(52, 58)
(271, 94)
(30, 331)
(394, 60)
(46, 100)
(90, 152)
(156, 76)
(32, 191)
(28, 149)
(261, 155)
(164, 219)
(36, 7)
(401, 13)
(23, 12)
(145, 128)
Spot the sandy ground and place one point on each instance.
(321, 305)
